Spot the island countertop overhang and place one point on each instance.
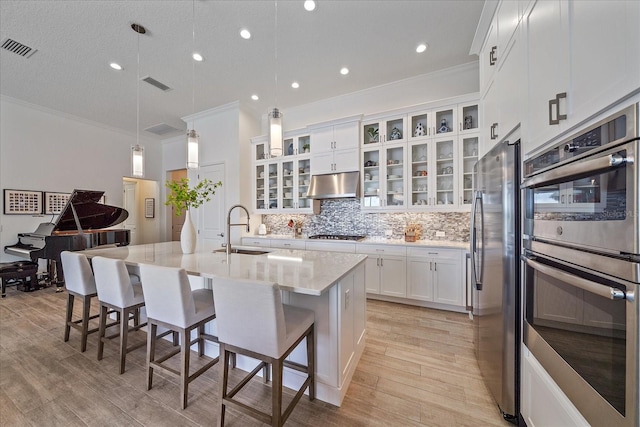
(298, 271)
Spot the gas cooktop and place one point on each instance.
(336, 237)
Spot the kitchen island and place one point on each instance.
(330, 284)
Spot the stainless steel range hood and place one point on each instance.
(334, 186)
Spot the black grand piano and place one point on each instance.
(81, 225)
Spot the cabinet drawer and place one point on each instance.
(331, 247)
(381, 250)
(250, 241)
(434, 253)
(288, 244)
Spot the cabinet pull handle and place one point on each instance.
(379, 250)
(460, 126)
(494, 134)
(378, 262)
(492, 56)
(435, 266)
(381, 262)
(556, 103)
(570, 198)
(460, 199)
(430, 265)
(562, 199)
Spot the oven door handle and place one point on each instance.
(577, 170)
(579, 282)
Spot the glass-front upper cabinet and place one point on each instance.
(419, 183)
(266, 186)
(446, 171)
(469, 157)
(468, 118)
(434, 123)
(384, 180)
(388, 130)
(295, 144)
(295, 183)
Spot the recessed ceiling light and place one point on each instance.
(344, 71)
(255, 97)
(295, 85)
(245, 34)
(309, 5)
(421, 47)
(116, 66)
(197, 57)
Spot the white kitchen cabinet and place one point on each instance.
(543, 402)
(378, 131)
(267, 186)
(488, 56)
(435, 275)
(256, 241)
(468, 118)
(317, 245)
(335, 147)
(503, 97)
(296, 175)
(287, 243)
(468, 155)
(295, 143)
(580, 62)
(385, 269)
(384, 177)
(438, 122)
(547, 30)
(434, 173)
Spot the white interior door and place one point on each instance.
(177, 220)
(211, 215)
(129, 202)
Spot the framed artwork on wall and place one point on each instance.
(55, 202)
(22, 202)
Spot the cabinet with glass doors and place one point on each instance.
(384, 177)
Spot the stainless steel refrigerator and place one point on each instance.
(495, 253)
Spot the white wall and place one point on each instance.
(455, 81)
(45, 150)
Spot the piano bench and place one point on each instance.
(21, 273)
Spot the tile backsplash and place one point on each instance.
(344, 216)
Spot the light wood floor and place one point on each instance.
(418, 369)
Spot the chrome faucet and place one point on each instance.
(228, 236)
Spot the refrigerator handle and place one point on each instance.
(477, 201)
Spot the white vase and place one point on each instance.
(188, 235)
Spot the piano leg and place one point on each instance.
(56, 275)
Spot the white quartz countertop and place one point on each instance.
(375, 241)
(305, 272)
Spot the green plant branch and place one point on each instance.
(182, 197)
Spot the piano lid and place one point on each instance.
(91, 214)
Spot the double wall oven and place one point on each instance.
(581, 244)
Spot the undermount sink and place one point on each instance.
(244, 251)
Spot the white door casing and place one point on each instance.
(211, 215)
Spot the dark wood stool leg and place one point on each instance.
(86, 310)
(200, 340)
(124, 332)
(223, 378)
(184, 366)
(101, 330)
(67, 325)
(311, 363)
(276, 393)
(151, 352)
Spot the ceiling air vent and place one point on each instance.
(162, 129)
(18, 48)
(153, 82)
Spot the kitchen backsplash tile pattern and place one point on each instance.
(344, 216)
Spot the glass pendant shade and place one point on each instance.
(137, 161)
(275, 133)
(192, 149)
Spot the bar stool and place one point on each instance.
(171, 304)
(117, 292)
(79, 283)
(252, 320)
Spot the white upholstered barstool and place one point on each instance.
(117, 292)
(253, 321)
(80, 284)
(171, 304)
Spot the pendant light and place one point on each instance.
(137, 151)
(193, 139)
(275, 116)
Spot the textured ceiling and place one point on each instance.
(76, 41)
